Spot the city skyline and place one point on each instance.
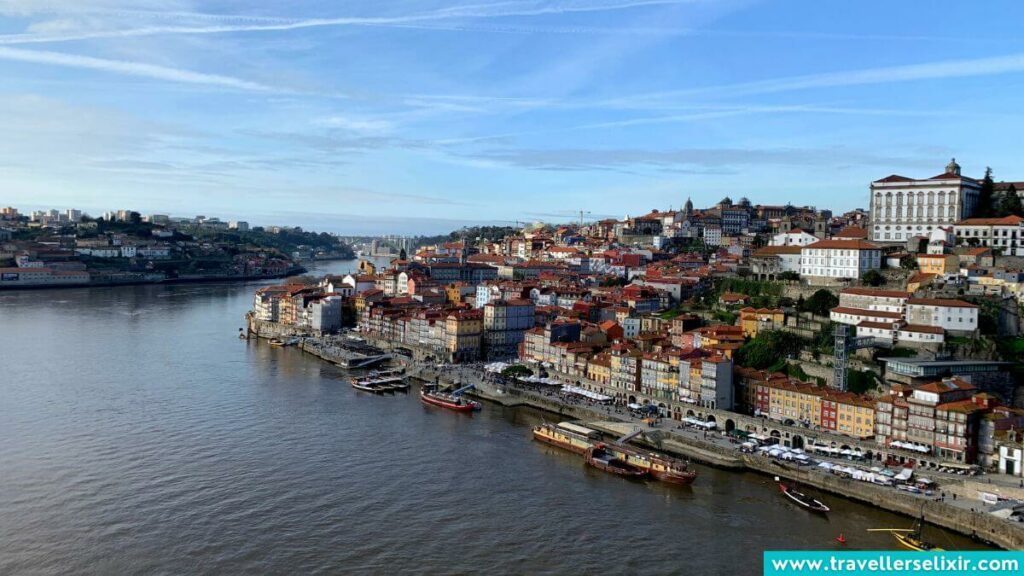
(421, 117)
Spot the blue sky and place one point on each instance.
(420, 116)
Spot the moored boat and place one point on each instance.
(659, 466)
(567, 436)
(379, 384)
(910, 538)
(600, 457)
(802, 499)
(449, 401)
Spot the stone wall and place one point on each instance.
(979, 524)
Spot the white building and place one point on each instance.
(1005, 234)
(325, 314)
(239, 225)
(838, 259)
(713, 235)
(954, 315)
(902, 207)
(795, 237)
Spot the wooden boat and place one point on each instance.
(449, 401)
(567, 436)
(910, 538)
(601, 458)
(801, 499)
(366, 386)
(276, 343)
(659, 466)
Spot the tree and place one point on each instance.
(985, 195)
(820, 302)
(873, 278)
(517, 371)
(768, 348)
(1010, 204)
(908, 262)
(789, 276)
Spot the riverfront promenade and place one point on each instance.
(966, 515)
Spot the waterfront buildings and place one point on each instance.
(940, 419)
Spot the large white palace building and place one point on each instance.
(902, 207)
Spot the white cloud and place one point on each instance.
(129, 68)
(945, 69)
(357, 124)
(241, 23)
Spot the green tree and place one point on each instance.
(1010, 204)
(517, 371)
(789, 276)
(873, 278)
(985, 195)
(768, 348)
(820, 302)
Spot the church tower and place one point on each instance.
(953, 167)
(688, 207)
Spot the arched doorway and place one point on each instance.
(632, 399)
(729, 425)
(797, 441)
(690, 413)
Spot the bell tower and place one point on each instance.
(953, 167)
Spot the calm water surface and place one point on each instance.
(138, 435)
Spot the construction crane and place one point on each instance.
(582, 212)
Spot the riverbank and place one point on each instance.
(976, 524)
(709, 449)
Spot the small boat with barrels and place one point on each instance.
(910, 538)
(659, 466)
(600, 457)
(450, 400)
(566, 435)
(801, 499)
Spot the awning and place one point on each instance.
(701, 423)
(586, 393)
(904, 474)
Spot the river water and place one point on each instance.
(139, 435)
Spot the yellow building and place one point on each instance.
(938, 263)
(463, 330)
(796, 401)
(599, 369)
(855, 416)
(754, 320)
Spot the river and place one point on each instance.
(141, 436)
